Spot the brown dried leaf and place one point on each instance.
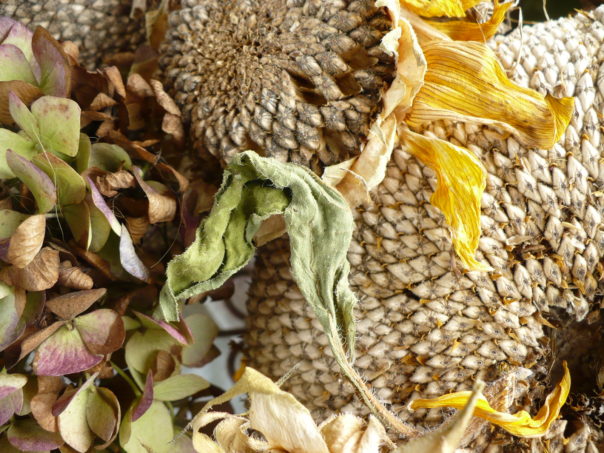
(73, 277)
(69, 305)
(163, 99)
(102, 101)
(26, 241)
(115, 79)
(41, 274)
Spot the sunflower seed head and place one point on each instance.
(296, 80)
(424, 327)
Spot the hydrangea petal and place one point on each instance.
(64, 353)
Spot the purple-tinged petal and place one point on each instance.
(14, 65)
(169, 328)
(146, 399)
(64, 353)
(10, 383)
(102, 330)
(10, 405)
(55, 70)
(100, 203)
(26, 435)
(129, 259)
(13, 32)
(36, 180)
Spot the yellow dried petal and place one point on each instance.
(461, 182)
(463, 30)
(465, 82)
(440, 8)
(521, 423)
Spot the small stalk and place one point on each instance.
(128, 379)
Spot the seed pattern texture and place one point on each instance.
(425, 327)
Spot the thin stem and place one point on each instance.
(127, 378)
(372, 402)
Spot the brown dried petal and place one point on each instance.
(163, 99)
(74, 277)
(26, 241)
(172, 124)
(41, 408)
(110, 183)
(69, 305)
(26, 92)
(137, 227)
(115, 79)
(139, 86)
(41, 274)
(102, 101)
(162, 207)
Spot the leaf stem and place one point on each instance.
(370, 400)
(137, 391)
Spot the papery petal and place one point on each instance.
(461, 182)
(283, 421)
(463, 30)
(440, 8)
(521, 423)
(465, 82)
(354, 179)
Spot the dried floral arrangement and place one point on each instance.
(104, 240)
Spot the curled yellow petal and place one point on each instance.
(463, 30)
(440, 8)
(461, 182)
(521, 423)
(465, 82)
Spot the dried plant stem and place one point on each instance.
(376, 407)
